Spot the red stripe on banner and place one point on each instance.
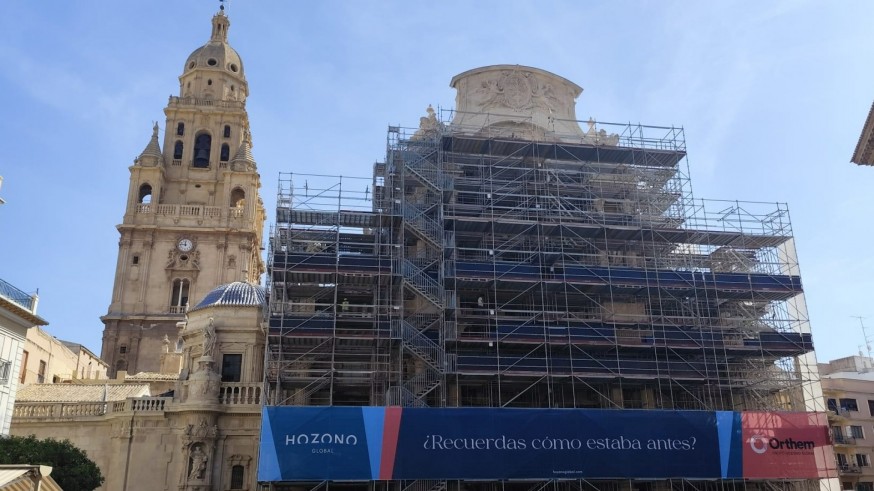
(390, 432)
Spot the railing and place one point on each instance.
(422, 282)
(233, 393)
(188, 210)
(843, 439)
(425, 485)
(422, 384)
(400, 396)
(66, 410)
(176, 162)
(849, 469)
(57, 410)
(428, 173)
(420, 344)
(423, 224)
(147, 404)
(17, 296)
(177, 309)
(193, 101)
(624, 134)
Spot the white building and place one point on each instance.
(17, 315)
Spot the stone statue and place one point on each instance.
(428, 125)
(198, 464)
(209, 339)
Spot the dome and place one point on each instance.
(236, 294)
(217, 53)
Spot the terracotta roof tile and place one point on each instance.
(80, 392)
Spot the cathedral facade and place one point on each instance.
(185, 316)
(193, 218)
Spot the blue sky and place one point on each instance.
(772, 96)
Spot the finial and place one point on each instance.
(220, 25)
(155, 129)
(222, 5)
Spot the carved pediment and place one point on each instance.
(182, 263)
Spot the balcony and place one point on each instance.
(843, 440)
(193, 101)
(198, 212)
(18, 297)
(849, 469)
(236, 393)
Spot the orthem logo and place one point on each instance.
(759, 443)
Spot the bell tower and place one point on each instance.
(193, 218)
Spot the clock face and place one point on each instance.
(185, 245)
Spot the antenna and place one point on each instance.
(864, 334)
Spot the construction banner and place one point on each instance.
(385, 443)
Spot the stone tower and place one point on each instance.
(193, 218)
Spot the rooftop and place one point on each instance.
(80, 393)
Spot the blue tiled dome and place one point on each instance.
(236, 294)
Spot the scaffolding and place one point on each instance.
(479, 269)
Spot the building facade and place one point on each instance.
(183, 337)
(193, 219)
(848, 387)
(17, 315)
(506, 256)
(47, 359)
(203, 435)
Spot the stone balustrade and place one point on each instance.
(71, 410)
(230, 394)
(176, 101)
(147, 403)
(188, 211)
(58, 410)
(236, 393)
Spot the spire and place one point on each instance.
(151, 155)
(244, 160)
(220, 25)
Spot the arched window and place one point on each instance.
(238, 197)
(145, 194)
(237, 476)
(177, 150)
(180, 129)
(202, 145)
(228, 128)
(179, 297)
(226, 152)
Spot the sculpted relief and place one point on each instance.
(523, 103)
(516, 90)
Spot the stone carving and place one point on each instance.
(428, 125)
(122, 431)
(209, 339)
(516, 90)
(208, 387)
(202, 430)
(516, 101)
(232, 261)
(599, 137)
(197, 463)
